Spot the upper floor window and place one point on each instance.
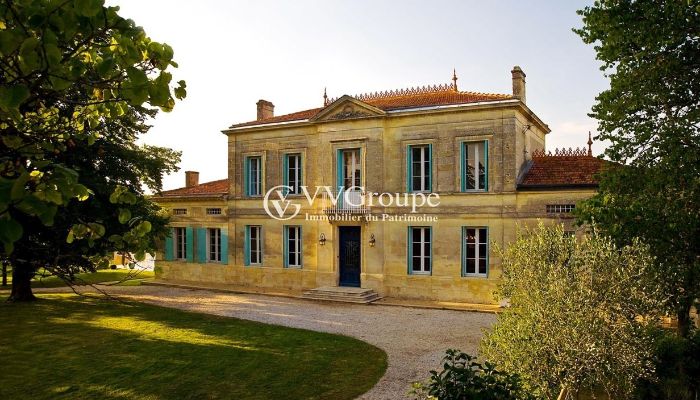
(292, 246)
(475, 251)
(420, 250)
(180, 238)
(419, 166)
(213, 211)
(350, 169)
(292, 173)
(253, 176)
(214, 244)
(253, 245)
(474, 166)
(179, 211)
(560, 208)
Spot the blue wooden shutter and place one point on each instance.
(409, 261)
(285, 172)
(429, 235)
(246, 246)
(246, 179)
(189, 237)
(409, 170)
(301, 247)
(201, 245)
(462, 170)
(168, 253)
(224, 246)
(430, 167)
(464, 250)
(486, 166)
(285, 245)
(339, 170)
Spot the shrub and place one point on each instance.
(463, 378)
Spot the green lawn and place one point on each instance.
(71, 347)
(87, 278)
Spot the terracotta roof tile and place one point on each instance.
(562, 171)
(212, 188)
(396, 100)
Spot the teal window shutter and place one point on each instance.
(202, 245)
(409, 169)
(462, 169)
(168, 254)
(246, 246)
(464, 250)
(430, 168)
(339, 170)
(409, 260)
(285, 245)
(486, 166)
(189, 235)
(285, 172)
(301, 247)
(246, 183)
(224, 246)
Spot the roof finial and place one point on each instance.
(590, 142)
(454, 78)
(325, 97)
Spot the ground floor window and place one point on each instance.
(420, 250)
(253, 245)
(292, 246)
(214, 244)
(180, 238)
(475, 251)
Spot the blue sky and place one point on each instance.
(233, 53)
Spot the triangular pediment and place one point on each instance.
(347, 107)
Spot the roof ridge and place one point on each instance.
(413, 91)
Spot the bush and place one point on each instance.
(677, 369)
(463, 378)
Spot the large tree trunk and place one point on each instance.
(683, 315)
(4, 273)
(22, 275)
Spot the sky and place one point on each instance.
(233, 53)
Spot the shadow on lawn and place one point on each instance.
(74, 347)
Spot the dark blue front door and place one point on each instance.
(349, 255)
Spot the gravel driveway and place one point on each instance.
(414, 339)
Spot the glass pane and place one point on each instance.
(482, 249)
(470, 179)
(482, 266)
(417, 249)
(471, 266)
(416, 264)
(471, 251)
(483, 237)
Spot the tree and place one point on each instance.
(579, 314)
(78, 85)
(650, 51)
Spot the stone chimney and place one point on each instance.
(518, 83)
(191, 178)
(265, 109)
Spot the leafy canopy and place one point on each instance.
(70, 71)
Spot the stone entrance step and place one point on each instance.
(342, 294)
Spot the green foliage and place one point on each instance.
(579, 314)
(78, 347)
(72, 72)
(677, 369)
(650, 115)
(463, 378)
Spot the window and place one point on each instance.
(351, 172)
(292, 246)
(179, 211)
(180, 243)
(560, 208)
(419, 250)
(475, 166)
(253, 176)
(213, 211)
(292, 172)
(419, 168)
(214, 244)
(253, 245)
(475, 251)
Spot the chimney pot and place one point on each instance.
(518, 83)
(265, 109)
(191, 178)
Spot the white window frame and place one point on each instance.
(426, 262)
(478, 241)
(293, 246)
(294, 174)
(180, 243)
(480, 155)
(214, 245)
(355, 164)
(257, 249)
(254, 180)
(424, 167)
